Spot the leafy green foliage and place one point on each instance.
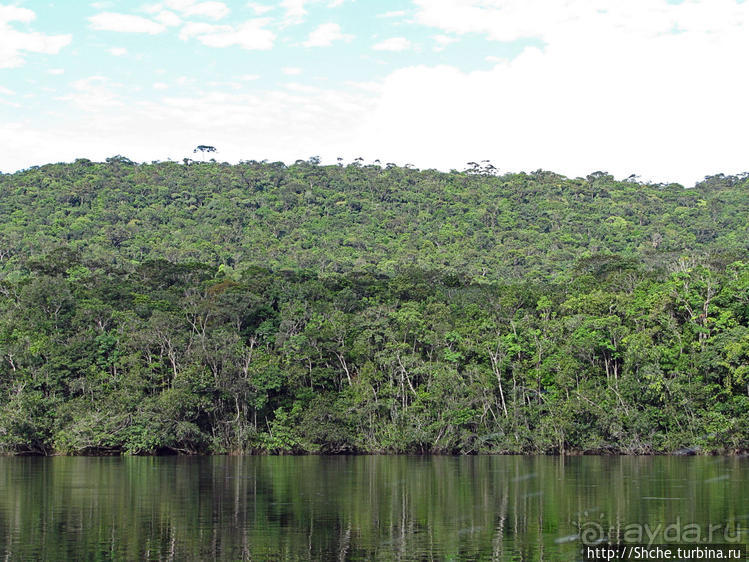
(213, 308)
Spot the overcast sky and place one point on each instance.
(656, 88)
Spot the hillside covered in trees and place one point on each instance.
(258, 307)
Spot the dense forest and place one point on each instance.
(203, 307)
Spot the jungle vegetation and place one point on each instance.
(203, 307)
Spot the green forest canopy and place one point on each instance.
(209, 307)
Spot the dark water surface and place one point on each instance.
(330, 508)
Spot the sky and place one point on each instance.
(656, 88)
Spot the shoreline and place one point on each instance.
(738, 454)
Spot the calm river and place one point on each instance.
(366, 507)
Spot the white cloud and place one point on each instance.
(193, 29)
(260, 9)
(125, 23)
(392, 14)
(224, 85)
(393, 44)
(162, 15)
(325, 34)
(14, 43)
(179, 5)
(249, 35)
(189, 8)
(443, 41)
(5, 91)
(170, 19)
(279, 125)
(160, 86)
(14, 13)
(95, 93)
(117, 51)
(302, 88)
(294, 11)
(291, 71)
(56, 71)
(614, 90)
(249, 77)
(509, 20)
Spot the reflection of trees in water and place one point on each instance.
(345, 507)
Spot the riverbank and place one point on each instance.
(607, 452)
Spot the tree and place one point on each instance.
(203, 149)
